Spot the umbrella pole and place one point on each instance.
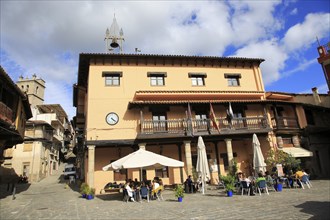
(203, 184)
(141, 174)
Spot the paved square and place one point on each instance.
(49, 199)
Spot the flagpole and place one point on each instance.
(190, 124)
(213, 118)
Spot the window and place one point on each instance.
(309, 117)
(157, 78)
(224, 156)
(27, 147)
(162, 173)
(197, 79)
(159, 122)
(112, 78)
(233, 79)
(112, 81)
(201, 121)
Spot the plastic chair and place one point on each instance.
(72, 179)
(261, 185)
(159, 193)
(144, 193)
(305, 180)
(270, 184)
(245, 187)
(125, 195)
(221, 184)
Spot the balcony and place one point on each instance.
(6, 114)
(285, 123)
(184, 127)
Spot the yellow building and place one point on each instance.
(14, 112)
(125, 101)
(47, 135)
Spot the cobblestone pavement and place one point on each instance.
(49, 199)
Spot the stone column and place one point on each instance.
(229, 150)
(91, 165)
(187, 149)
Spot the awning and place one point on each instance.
(298, 152)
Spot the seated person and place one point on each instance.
(298, 175)
(130, 191)
(144, 191)
(269, 179)
(238, 179)
(188, 184)
(248, 183)
(260, 177)
(136, 182)
(155, 188)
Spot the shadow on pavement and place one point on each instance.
(112, 196)
(8, 179)
(319, 210)
(6, 190)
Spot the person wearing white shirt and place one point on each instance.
(130, 192)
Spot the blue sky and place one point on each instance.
(46, 38)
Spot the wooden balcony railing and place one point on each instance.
(285, 123)
(6, 113)
(183, 126)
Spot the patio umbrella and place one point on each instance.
(202, 166)
(258, 158)
(143, 159)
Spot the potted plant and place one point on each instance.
(179, 192)
(229, 182)
(84, 189)
(90, 194)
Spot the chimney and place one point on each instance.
(316, 96)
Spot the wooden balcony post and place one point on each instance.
(141, 121)
(266, 118)
(296, 116)
(217, 156)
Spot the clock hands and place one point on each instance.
(112, 118)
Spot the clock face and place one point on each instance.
(112, 118)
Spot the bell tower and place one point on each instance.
(34, 88)
(324, 60)
(114, 38)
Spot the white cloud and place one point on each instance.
(300, 67)
(322, 89)
(46, 37)
(60, 93)
(253, 21)
(294, 11)
(302, 35)
(272, 53)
